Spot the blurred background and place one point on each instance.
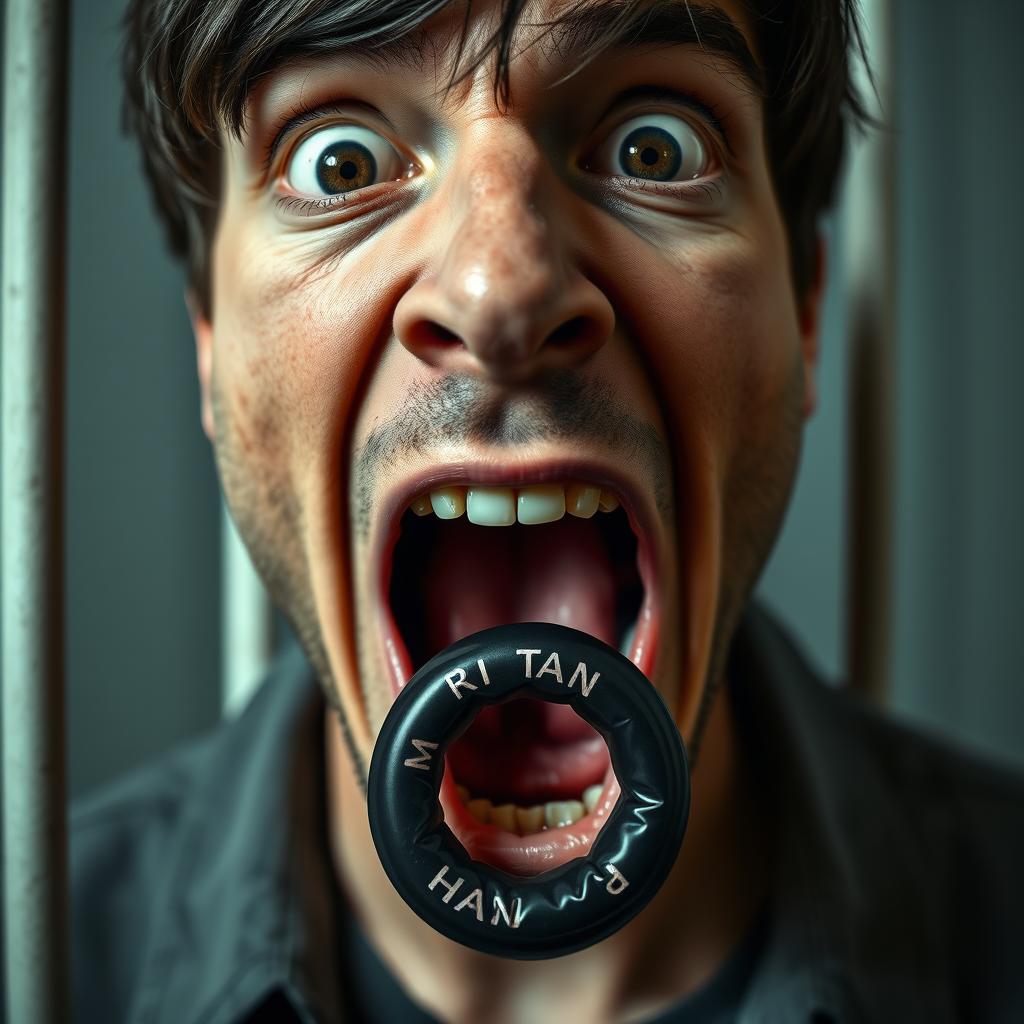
(144, 528)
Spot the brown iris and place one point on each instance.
(344, 166)
(650, 152)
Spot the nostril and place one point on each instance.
(425, 335)
(568, 333)
(509, 346)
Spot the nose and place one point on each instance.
(504, 302)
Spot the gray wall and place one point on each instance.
(961, 508)
(959, 554)
(143, 529)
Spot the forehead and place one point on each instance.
(550, 39)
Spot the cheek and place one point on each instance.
(729, 338)
(289, 344)
(757, 344)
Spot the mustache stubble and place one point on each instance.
(562, 407)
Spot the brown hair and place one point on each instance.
(189, 65)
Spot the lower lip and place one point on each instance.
(530, 854)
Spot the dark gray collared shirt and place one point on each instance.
(202, 889)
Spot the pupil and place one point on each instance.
(651, 153)
(344, 166)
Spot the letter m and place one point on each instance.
(423, 761)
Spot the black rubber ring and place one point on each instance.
(580, 902)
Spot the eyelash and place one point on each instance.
(697, 191)
(286, 125)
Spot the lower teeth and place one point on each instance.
(525, 821)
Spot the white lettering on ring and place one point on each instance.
(483, 671)
(581, 674)
(617, 882)
(450, 886)
(423, 761)
(553, 667)
(500, 910)
(475, 900)
(529, 660)
(457, 679)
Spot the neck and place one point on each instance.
(664, 954)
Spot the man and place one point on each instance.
(553, 269)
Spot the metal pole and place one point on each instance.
(35, 171)
(869, 236)
(245, 621)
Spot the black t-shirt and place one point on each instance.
(374, 996)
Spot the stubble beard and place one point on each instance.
(755, 500)
(269, 518)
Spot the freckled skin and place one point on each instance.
(319, 334)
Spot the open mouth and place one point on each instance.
(529, 784)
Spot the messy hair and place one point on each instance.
(189, 66)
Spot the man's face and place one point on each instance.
(587, 294)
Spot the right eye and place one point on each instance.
(342, 158)
(656, 147)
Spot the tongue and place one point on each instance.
(482, 576)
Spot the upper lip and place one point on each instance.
(637, 503)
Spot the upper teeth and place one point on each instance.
(503, 506)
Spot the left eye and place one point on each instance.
(658, 147)
(342, 158)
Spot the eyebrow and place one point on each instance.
(598, 26)
(662, 23)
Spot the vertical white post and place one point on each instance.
(245, 621)
(36, 164)
(869, 238)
